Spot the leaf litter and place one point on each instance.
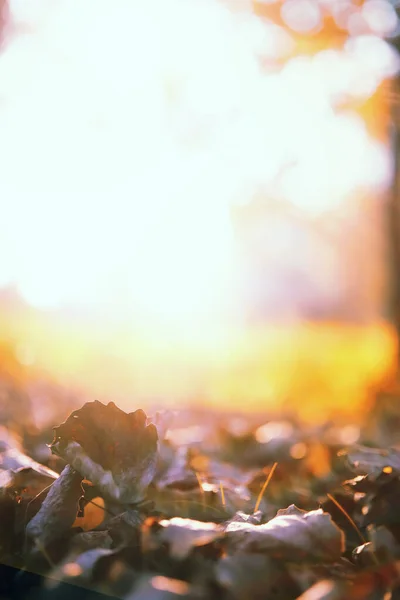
(138, 513)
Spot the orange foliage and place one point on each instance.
(320, 370)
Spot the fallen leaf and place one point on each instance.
(25, 483)
(58, 511)
(292, 535)
(253, 576)
(14, 459)
(181, 535)
(94, 515)
(241, 517)
(114, 450)
(363, 460)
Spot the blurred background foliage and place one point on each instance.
(200, 204)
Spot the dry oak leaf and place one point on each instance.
(114, 450)
(363, 460)
(13, 457)
(25, 483)
(293, 535)
(181, 535)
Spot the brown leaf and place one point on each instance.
(93, 515)
(23, 492)
(181, 535)
(25, 483)
(114, 450)
(13, 459)
(363, 460)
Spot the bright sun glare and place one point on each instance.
(130, 128)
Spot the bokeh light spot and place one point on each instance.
(303, 16)
(349, 434)
(171, 586)
(72, 570)
(274, 430)
(298, 451)
(380, 16)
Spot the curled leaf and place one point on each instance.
(21, 494)
(58, 511)
(114, 450)
(14, 459)
(181, 535)
(298, 535)
(25, 483)
(91, 514)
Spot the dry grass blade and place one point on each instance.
(264, 487)
(348, 517)
(221, 487)
(352, 523)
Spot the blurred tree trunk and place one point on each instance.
(394, 219)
